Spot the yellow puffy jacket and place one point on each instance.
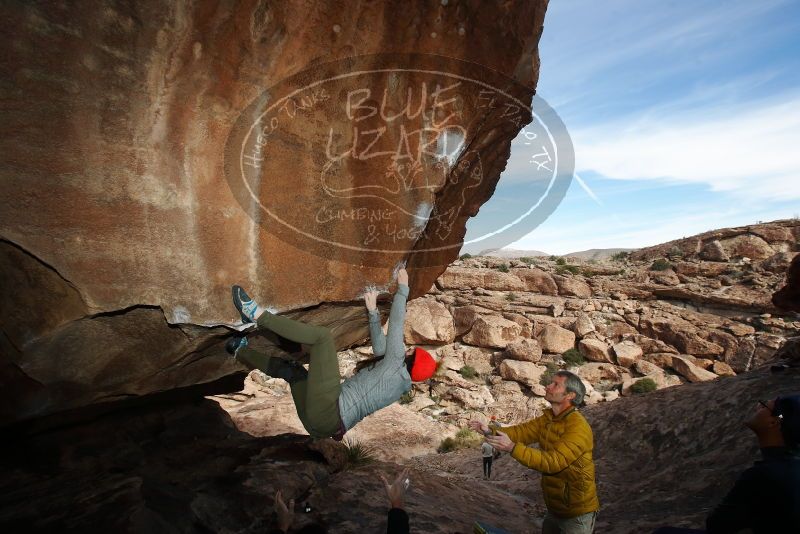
(564, 459)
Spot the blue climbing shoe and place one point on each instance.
(244, 304)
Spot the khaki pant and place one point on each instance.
(316, 393)
(582, 524)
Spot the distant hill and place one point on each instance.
(598, 253)
(591, 254)
(511, 253)
(751, 241)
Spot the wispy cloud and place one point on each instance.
(684, 117)
(604, 60)
(609, 36)
(750, 152)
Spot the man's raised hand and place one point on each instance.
(396, 491)
(284, 511)
(501, 442)
(478, 426)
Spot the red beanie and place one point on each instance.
(424, 365)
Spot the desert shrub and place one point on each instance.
(675, 252)
(464, 439)
(547, 376)
(465, 256)
(590, 271)
(553, 258)
(511, 297)
(621, 256)
(358, 454)
(573, 357)
(562, 269)
(468, 371)
(528, 260)
(645, 385)
(561, 261)
(464, 433)
(447, 445)
(407, 397)
(503, 267)
(661, 264)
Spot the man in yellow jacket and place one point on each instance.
(564, 456)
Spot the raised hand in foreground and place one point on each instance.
(396, 491)
(285, 513)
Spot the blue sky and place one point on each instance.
(684, 115)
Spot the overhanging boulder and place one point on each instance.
(134, 131)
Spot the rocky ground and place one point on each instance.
(684, 312)
(662, 458)
(185, 468)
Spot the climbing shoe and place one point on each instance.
(244, 304)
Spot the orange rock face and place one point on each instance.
(155, 153)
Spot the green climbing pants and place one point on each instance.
(316, 393)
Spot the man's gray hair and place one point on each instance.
(573, 384)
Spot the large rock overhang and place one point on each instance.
(136, 188)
